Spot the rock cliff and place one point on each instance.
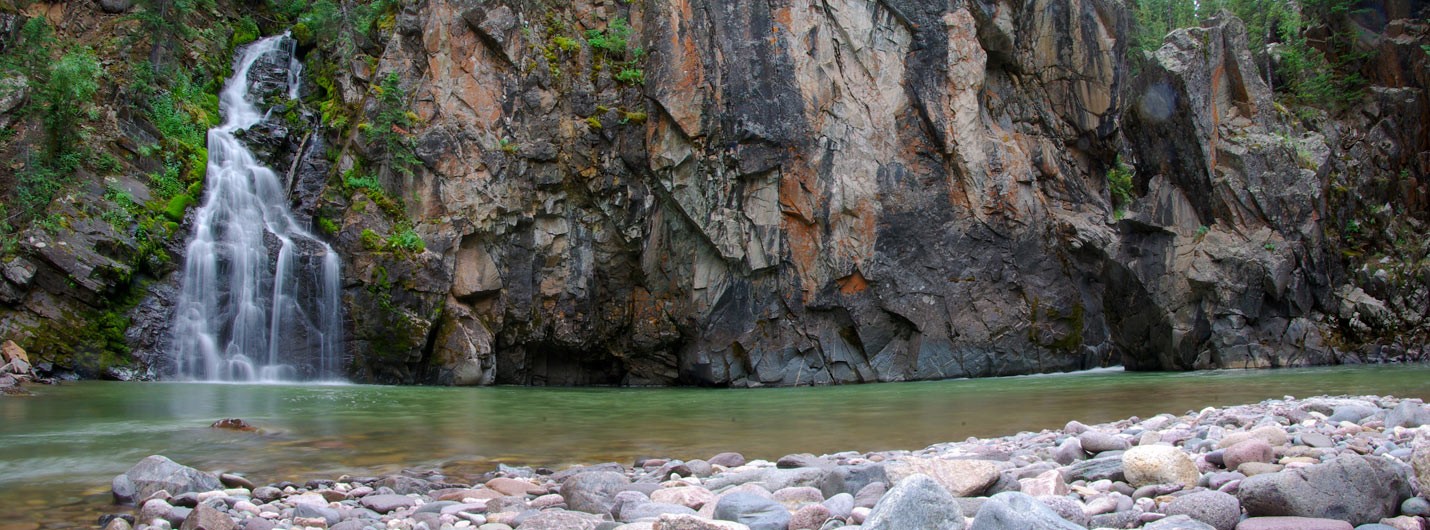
(748, 193)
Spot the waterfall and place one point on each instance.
(260, 293)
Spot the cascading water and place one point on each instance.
(259, 296)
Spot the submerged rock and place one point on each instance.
(157, 473)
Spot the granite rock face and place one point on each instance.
(772, 194)
(865, 192)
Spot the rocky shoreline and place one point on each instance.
(1317, 463)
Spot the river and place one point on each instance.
(59, 448)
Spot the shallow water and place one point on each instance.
(59, 449)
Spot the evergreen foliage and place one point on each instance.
(1318, 74)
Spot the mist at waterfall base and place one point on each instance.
(259, 293)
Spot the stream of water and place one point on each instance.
(60, 448)
(259, 297)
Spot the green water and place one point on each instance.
(59, 449)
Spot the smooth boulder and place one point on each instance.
(754, 511)
(917, 501)
(1220, 510)
(1159, 464)
(1012, 510)
(962, 478)
(1355, 489)
(159, 473)
(594, 492)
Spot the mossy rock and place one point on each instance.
(178, 206)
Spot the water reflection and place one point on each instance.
(72, 438)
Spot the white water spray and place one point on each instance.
(259, 298)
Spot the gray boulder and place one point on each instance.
(1407, 414)
(1220, 510)
(1355, 489)
(918, 501)
(594, 492)
(752, 510)
(1017, 511)
(159, 473)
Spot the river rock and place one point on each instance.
(1104, 467)
(1408, 414)
(157, 473)
(1356, 489)
(1177, 522)
(810, 517)
(693, 497)
(868, 496)
(512, 486)
(840, 505)
(321, 512)
(650, 510)
(558, 519)
(1351, 412)
(1159, 464)
(594, 492)
(205, 517)
(1017, 511)
(1253, 450)
(1273, 436)
(1292, 523)
(727, 460)
(754, 511)
(1318, 440)
(690, 522)
(387, 503)
(962, 478)
(917, 501)
(1416, 506)
(1420, 462)
(1046, 483)
(1215, 508)
(798, 496)
(1069, 451)
(1097, 442)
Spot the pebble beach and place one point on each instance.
(1333, 463)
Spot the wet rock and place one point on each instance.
(594, 492)
(157, 473)
(917, 501)
(1159, 464)
(1018, 511)
(1292, 523)
(233, 424)
(754, 511)
(1214, 508)
(1355, 489)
